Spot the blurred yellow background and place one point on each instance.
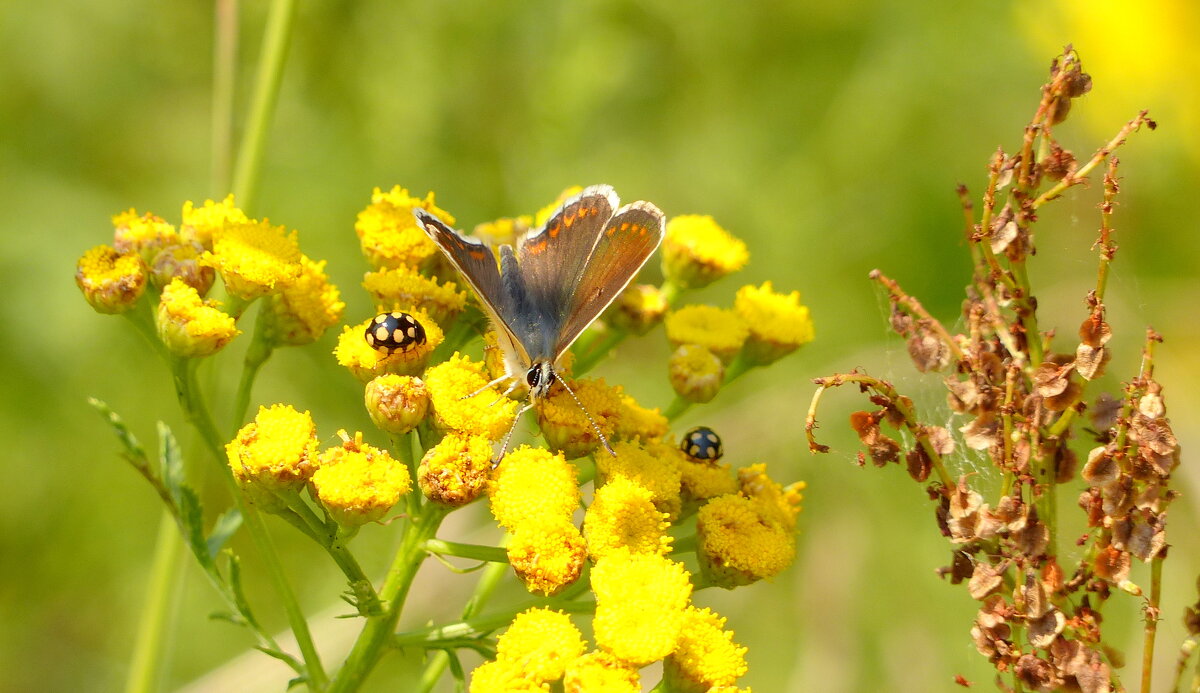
(829, 136)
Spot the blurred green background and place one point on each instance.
(828, 135)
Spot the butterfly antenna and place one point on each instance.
(511, 430)
(588, 416)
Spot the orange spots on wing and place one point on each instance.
(537, 247)
(568, 219)
(553, 231)
(624, 226)
(477, 254)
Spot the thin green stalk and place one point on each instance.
(491, 554)
(145, 668)
(257, 353)
(198, 415)
(1152, 615)
(484, 589)
(676, 408)
(225, 24)
(276, 39)
(379, 629)
(480, 626)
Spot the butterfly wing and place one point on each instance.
(625, 243)
(476, 262)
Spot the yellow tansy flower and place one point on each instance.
(547, 554)
(660, 475)
(532, 484)
(366, 362)
(543, 642)
(544, 213)
(303, 310)
(487, 413)
(565, 425)
(600, 672)
(190, 326)
(111, 282)
(741, 541)
(275, 452)
(637, 421)
(456, 471)
(640, 604)
(697, 252)
(182, 260)
(396, 403)
(696, 374)
(503, 231)
(359, 483)
(778, 323)
(254, 258)
(720, 331)
(200, 223)
(402, 288)
(623, 515)
(783, 503)
(502, 676)
(389, 234)
(638, 308)
(143, 235)
(706, 656)
(699, 480)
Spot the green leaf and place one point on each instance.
(134, 452)
(285, 658)
(456, 670)
(239, 595)
(191, 515)
(226, 525)
(170, 459)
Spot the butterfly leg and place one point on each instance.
(495, 382)
(511, 430)
(507, 392)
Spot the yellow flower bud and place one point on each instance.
(358, 483)
(565, 424)
(697, 252)
(741, 541)
(706, 656)
(111, 282)
(547, 554)
(696, 373)
(277, 452)
(638, 308)
(720, 331)
(396, 403)
(456, 471)
(543, 642)
(781, 502)
(389, 234)
(190, 326)
(600, 672)
(182, 260)
(301, 312)
(143, 235)
(699, 479)
(504, 676)
(638, 422)
(778, 323)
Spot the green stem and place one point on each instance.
(484, 589)
(198, 415)
(491, 554)
(676, 408)
(480, 626)
(379, 629)
(671, 292)
(686, 544)
(145, 668)
(257, 353)
(225, 24)
(276, 38)
(1152, 615)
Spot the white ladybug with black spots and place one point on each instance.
(702, 444)
(394, 331)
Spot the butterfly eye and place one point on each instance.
(534, 376)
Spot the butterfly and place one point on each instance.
(543, 293)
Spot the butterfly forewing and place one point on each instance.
(625, 243)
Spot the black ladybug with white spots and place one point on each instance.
(395, 331)
(702, 444)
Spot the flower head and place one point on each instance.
(623, 515)
(699, 479)
(600, 672)
(504, 676)
(201, 223)
(741, 541)
(142, 235)
(358, 483)
(547, 554)
(533, 484)
(706, 657)
(486, 413)
(696, 373)
(639, 422)
(566, 426)
(254, 258)
(641, 600)
(659, 475)
(182, 260)
(389, 234)
(638, 308)
(402, 288)
(366, 362)
(275, 452)
(396, 403)
(542, 642)
(303, 310)
(720, 331)
(111, 282)
(697, 252)
(778, 323)
(190, 326)
(781, 502)
(456, 471)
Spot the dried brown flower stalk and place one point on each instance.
(1018, 399)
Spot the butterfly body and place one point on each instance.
(541, 294)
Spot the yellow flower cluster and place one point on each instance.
(696, 251)
(303, 310)
(389, 234)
